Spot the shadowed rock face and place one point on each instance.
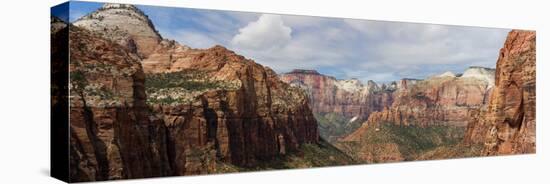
(249, 116)
(507, 126)
(112, 133)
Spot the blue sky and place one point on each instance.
(345, 48)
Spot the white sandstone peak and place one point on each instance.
(447, 74)
(481, 73)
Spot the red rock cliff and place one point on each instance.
(112, 133)
(217, 106)
(350, 98)
(247, 116)
(507, 126)
(439, 100)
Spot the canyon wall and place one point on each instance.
(425, 115)
(340, 106)
(438, 100)
(186, 111)
(350, 98)
(245, 114)
(507, 125)
(112, 134)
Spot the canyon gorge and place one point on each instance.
(142, 105)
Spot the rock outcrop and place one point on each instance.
(349, 99)
(209, 107)
(507, 126)
(112, 133)
(124, 24)
(242, 111)
(436, 101)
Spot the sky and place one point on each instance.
(344, 48)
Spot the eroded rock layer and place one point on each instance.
(112, 133)
(432, 112)
(340, 105)
(241, 110)
(348, 97)
(507, 126)
(188, 111)
(436, 101)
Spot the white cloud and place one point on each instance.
(268, 32)
(344, 48)
(191, 38)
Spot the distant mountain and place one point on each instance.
(346, 104)
(339, 105)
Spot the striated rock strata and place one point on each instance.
(143, 106)
(441, 100)
(340, 105)
(507, 125)
(112, 133)
(432, 112)
(348, 97)
(241, 111)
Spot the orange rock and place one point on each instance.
(508, 124)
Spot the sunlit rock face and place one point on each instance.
(340, 101)
(124, 24)
(507, 125)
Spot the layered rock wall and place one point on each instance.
(507, 126)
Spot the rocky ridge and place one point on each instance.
(432, 112)
(341, 99)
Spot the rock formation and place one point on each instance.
(440, 100)
(507, 126)
(243, 111)
(191, 112)
(124, 24)
(349, 99)
(445, 99)
(112, 133)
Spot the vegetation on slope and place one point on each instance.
(391, 143)
(181, 86)
(333, 125)
(322, 154)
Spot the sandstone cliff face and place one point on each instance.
(410, 127)
(348, 97)
(124, 24)
(112, 133)
(507, 126)
(436, 101)
(246, 115)
(209, 106)
(340, 105)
